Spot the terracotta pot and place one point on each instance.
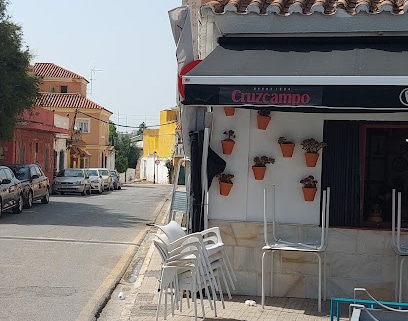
(225, 188)
(227, 146)
(229, 111)
(259, 172)
(311, 159)
(287, 149)
(263, 121)
(309, 193)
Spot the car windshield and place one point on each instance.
(21, 172)
(113, 174)
(71, 173)
(104, 172)
(93, 172)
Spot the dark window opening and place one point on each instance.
(63, 89)
(362, 163)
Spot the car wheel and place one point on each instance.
(83, 193)
(46, 197)
(62, 193)
(119, 187)
(19, 206)
(29, 202)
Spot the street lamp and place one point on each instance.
(154, 167)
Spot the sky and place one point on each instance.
(125, 48)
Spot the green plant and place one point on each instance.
(309, 181)
(170, 168)
(262, 161)
(225, 178)
(230, 134)
(284, 140)
(264, 112)
(311, 145)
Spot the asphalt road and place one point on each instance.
(60, 261)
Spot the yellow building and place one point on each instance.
(161, 147)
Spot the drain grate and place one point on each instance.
(150, 307)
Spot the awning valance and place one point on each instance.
(303, 73)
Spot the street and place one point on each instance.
(59, 260)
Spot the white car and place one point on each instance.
(108, 182)
(72, 180)
(97, 181)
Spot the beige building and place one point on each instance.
(64, 92)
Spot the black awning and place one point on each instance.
(303, 73)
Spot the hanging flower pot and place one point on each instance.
(227, 146)
(286, 146)
(229, 111)
(263, 118)
(259, 172)
(225, 181)
(225, 188)
(228, 143)
(309, 188)
(311, 159)
(309, 193)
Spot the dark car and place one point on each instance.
(11, 192)
(36, 185)
(117, 183)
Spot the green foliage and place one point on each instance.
(113, 134)
(126, 153)
(170, 169)
(18, 88)
(142, 127)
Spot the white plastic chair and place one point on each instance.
(213, 243)
(186, 267)
(400, 249)
(317, 247)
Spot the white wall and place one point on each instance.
(147, 167)
(245, 202)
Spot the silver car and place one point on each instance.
(97, 181)
(107, 178)
(72, 180)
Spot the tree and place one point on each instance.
(142, 127)
(18, 88)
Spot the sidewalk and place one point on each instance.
(140, 302)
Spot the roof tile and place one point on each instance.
(50, 70)
(66, 100)
(307, 7)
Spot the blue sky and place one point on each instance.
(128, 43)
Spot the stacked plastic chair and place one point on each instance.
(213, 244)
(400, 249)
(186, 267)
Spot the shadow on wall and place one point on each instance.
(128, 176)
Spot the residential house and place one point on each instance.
(333, 71)
(161, 146)
(39, 133)
(64, 93)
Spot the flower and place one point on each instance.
(225, 178)
(311, 145)
(261, 161)
(308, 182)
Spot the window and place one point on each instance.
(64, 89)
(83, 125)
(367, 161)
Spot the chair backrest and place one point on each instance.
(325, 212)
(173, 230)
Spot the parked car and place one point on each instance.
(117, 183)
(35, 184)
(11, 191)
(72, 180)
(97, 181)
(108, 182)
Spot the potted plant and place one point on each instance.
(228, 143)
(259, 168)
(229, 111)
(312, 147)
(309, 188)
(286, 146)
(225, 181)
(263, 118)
